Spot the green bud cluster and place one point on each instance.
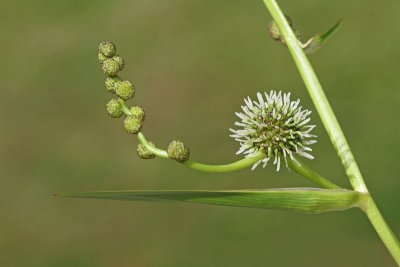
(125, 90)
(178, 151)
(108, 49)
(114, 108)
(112, 64)
(110, 67)
(133, 124)
(137, 112)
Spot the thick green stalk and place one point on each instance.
(333, 128)
(319, 98)
(383, 230)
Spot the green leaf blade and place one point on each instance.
(308, 200)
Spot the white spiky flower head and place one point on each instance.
(275, 126)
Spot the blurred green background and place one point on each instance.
(192, 62)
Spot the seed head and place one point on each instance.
(137, 112)
(132, 124)
(114, 108)
(274, 125)
(107, 48)
(120, 61)
(144, 153)
(110, 67)
(178, 151)
(112, 83)
(125, 90)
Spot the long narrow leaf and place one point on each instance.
(309, 200)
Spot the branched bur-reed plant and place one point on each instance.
(272, 129)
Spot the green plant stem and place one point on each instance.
(311, 175)
(333, 128)
(125, 109)
(234, 166)
(156, 151)
(382, 228)
(319, 98)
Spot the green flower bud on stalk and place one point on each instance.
(114, 108)
(178, 151)
(101, 57)
(108, 49)
(275, 33)
(133, 124)
(137, 112)
(120, 61)
(144, 153)
(110, 67)
(112, 83)
(125, 90)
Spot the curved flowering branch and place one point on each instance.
(272, 128)
(147, 146)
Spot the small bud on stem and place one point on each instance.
(114, 108)
(133, 124)
(125, 90)
(275, 33)
(110, 67)
(178, 151)
(137, 112)
(107, 48)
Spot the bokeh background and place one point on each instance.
(192, 62)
